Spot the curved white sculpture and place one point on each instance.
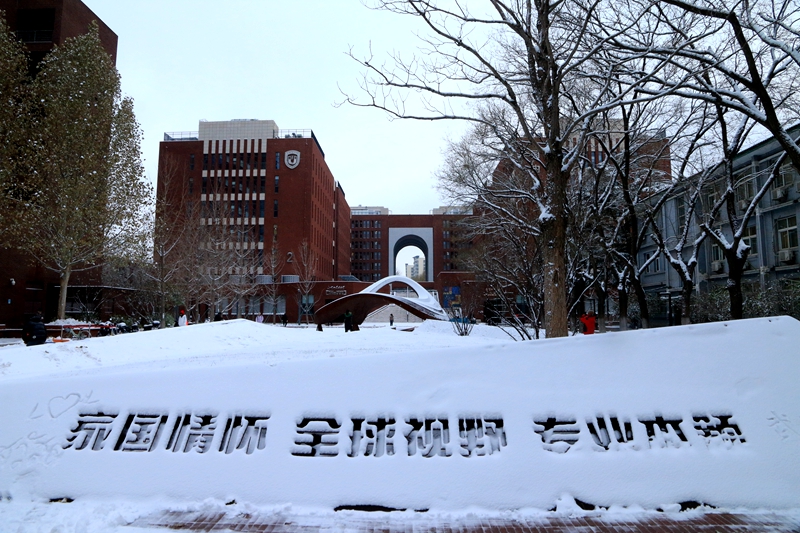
(425, 299)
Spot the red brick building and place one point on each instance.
(274, 186)
(27, 286)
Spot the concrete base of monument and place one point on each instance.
(282, 422)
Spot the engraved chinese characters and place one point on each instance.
(182, 432)
(613, 433)
(378, 436)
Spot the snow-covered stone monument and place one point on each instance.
(651, 418)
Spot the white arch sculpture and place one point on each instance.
(425, 299)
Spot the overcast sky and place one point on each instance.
(285, 60)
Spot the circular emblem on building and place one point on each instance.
(292, 158)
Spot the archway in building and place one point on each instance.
(421, 238)
(406, 264)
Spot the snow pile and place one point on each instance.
(408, 420)
(68, 322)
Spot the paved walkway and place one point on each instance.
(363, 522)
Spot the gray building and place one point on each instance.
(771, 231)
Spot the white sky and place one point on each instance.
(284, 60)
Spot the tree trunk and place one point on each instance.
(622, 297)
(735, 272)
(554, 233)
(686, 298)
(62, 295)
(641, 297)
(601, 308)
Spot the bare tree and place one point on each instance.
(305, 266)
(274, 262)
(511, 68)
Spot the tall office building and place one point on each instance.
(271, 185)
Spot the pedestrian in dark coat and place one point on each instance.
(348, 321)
(391, 320)
(34, 332)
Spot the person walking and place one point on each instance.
(183, 320)
(348, 321)
(589, 322)
(391, 320)
(34, 332)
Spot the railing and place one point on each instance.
(35, 36)
(181, 136)
(300, 134)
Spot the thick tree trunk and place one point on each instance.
(686, 298)
(735, 272)
(641, 297)
(554, 233)
(622, 296)
(601, 308)
(555, 290)
(62, 295)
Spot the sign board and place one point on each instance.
(709, 413)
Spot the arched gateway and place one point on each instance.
(422, 238)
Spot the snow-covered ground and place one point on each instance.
(292, 418)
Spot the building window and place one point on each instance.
(716, 253)
(191, 185)
(275, 208)
(787, 233)
(654, 266)
(749, 238)
(204, 185)
(277, 160)
(377, 235)
(377, 224)
(277, 181)
(191, 161)
(261, 209)
(205, 161)
(746, 190)
(786, 176)
(263, 160)
(680, 213)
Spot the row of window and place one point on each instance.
(224, 185)
(366, 245)
(365, 223)
(365, 266)
(786, 239)
(365, 234)
(364, 256)
(237, 209)
(239, 161)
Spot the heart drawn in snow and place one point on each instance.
(61, 404)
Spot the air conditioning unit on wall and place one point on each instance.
(786, 256)
(717, 267)
(779, 193)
